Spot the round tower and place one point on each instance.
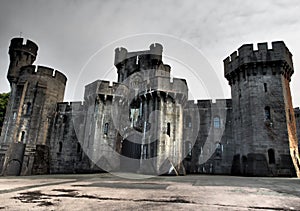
(21, 54)
(263, 119)
(35, 92)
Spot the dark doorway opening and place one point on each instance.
(131, 151)
(271, 155)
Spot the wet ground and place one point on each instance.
(109, 192)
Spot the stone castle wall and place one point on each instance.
(213, 150)
(146, 115)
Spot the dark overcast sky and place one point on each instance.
(70, 32)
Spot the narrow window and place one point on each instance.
(141, 110)
(265, 87)
(267, 113)
(78, 148)
(105, 130)
(217, 122)
(22, 136)
(188, 121)
(271, 155)
(218, 149)
(168, 128)
(60, 146)
(190, 148)
(28, 110)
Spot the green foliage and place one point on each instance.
(3, 103)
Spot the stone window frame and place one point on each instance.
(217, 122)
(267, 113)
(106, 128)
(188, 121)
(169, 129)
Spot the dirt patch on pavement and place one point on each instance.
(43, 199)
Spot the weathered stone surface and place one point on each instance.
(144, 122)
(35, 92)
(263, 116)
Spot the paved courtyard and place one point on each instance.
(109, 192)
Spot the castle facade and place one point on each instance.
(144, 122)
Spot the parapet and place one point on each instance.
(121, 54)
(70, 106)
(165, 84)
(30, 47)
(246, 55)
(102, 87)
(219, 103)
(43, 71)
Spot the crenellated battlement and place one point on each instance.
(129, 63)
(122, 54)
(17, 44)
(246, 56)
(102, 87)
(160, 83)
(165, 84)
(44, 72)
(70, 106)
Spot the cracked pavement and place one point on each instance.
(109, 192)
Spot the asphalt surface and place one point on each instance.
(110, 192)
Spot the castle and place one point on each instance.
(144, 122)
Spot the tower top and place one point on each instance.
(19, 44)
(121, 54)
(246, 56)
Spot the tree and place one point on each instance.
(3, 103)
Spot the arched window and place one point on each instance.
(60, 146)
(267, 113)
(168, 128)
(217, 122)
(271, 155)
(105, 129)
(188, 121)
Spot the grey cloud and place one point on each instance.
(69, 32)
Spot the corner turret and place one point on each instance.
(21, 54)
